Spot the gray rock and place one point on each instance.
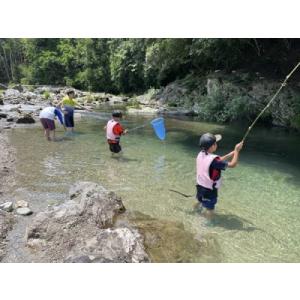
(29, 95)
(80, 230)
(24, 211)
(7, 206)
(113, 245)
(116, 100)
(3, 116)
(6, 224)
(11, 93)
(21, 203)
(99, 203)
(1, 99)
(18, 88)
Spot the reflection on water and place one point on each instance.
(258, 207)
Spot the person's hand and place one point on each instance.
(125, 131)
(65, 128)
(238, 147)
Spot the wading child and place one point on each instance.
(209, 167)
(68, 104)
(47, 116)
(114, 130)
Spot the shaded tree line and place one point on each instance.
(135, 65)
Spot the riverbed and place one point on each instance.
(258, 209)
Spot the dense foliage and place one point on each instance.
(134, 65)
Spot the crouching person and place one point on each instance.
(47, 116)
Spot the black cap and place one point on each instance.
(208, 139)
(117, 114)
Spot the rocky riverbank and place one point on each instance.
(93, 226)
(217, 96)
(7, 169)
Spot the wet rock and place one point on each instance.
(166, 241)
(26, 119)
(24, 211)
(1, 100)
(3, 116)
(7, 206)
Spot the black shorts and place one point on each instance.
(115, 147)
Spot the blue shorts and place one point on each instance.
(69, 117)
(208, 198)
(209, 203)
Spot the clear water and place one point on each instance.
(259, 202)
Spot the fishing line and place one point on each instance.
(273, 98)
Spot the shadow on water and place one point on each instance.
(232, 222)
(121, 158)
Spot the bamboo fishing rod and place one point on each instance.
(268, 105)
(254, 122)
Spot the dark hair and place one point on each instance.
(117, 114)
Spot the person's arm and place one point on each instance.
(58, 113)
(238, 147)
(225, 157)
(81, 106)
(60, 103)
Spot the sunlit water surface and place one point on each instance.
(259, 202)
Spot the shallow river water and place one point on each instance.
(259, 202)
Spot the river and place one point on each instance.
(259, 203)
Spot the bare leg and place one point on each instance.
(47, 134)
(198, 207)
(209, 214)
(53, 135)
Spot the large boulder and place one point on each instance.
(29, 96)
(82, 229)
(11, 93)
